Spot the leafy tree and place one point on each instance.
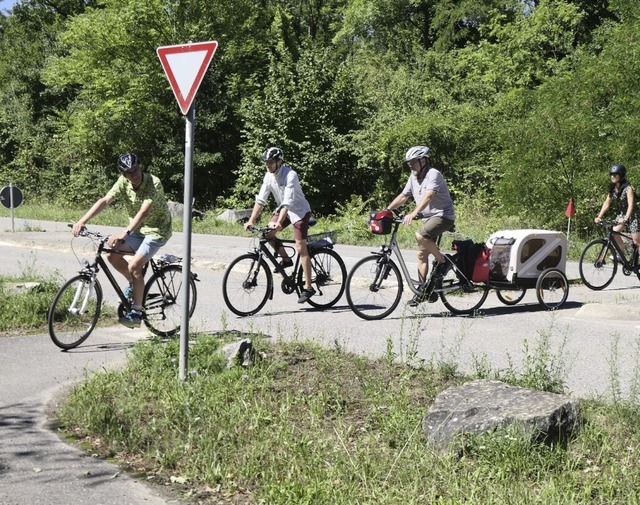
(306, 107)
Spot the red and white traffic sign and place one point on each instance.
(185, 66)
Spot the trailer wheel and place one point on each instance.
(552, 288)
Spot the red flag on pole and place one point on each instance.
(571, 211)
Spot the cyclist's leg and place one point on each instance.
(618, 238)
(300, 232)
(427, 237)
(118, 260)
(146, 248)
(275, 243)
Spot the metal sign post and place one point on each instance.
(186, 226)
(11, 197)
(185, 66)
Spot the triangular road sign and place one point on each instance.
(185, 66)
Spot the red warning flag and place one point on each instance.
(571, 211)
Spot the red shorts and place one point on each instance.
(300, 228)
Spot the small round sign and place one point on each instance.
(11, 195)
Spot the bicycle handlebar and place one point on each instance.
(92, 234)
(608, 224)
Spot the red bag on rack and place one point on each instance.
(481, 266)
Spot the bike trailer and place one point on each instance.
(520, 256)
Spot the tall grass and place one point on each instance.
(311, 425)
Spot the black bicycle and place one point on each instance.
(76, 307)
(600, 259)
(248, 281)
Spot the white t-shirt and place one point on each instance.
(285, 187)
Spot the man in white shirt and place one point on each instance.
(292, 208)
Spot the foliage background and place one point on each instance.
(524, 103)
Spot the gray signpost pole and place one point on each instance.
(11, 204)
(186, 262)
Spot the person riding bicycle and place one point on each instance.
(623, 195)
(292, 208)
(149, 227)
(433, 202)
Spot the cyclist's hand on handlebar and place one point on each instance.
(248, 226)
(597, 220)
(410, 217)
(116, 240)
(77, 228)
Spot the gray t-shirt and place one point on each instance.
(441, 203)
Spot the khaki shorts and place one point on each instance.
(433, 227)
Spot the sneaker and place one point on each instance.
(132, 319)
(422, 295)
(284, 264)
(306, 294)
(441, 270)
(128, 291)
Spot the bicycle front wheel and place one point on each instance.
(328, 277)
(597, 264)
(75, 311)
(461, 296)
(163, 301)
(374, 288)
(247, 285)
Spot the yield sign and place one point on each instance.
(185, 66)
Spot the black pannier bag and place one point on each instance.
(468, 252)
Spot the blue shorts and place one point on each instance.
(144, 245)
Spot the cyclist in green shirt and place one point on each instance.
(149, 227)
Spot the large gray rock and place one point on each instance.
(240, 353)
(177, 210)
(234, 216)
(479, 406)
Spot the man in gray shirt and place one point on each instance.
(433, 202)
(292, 208)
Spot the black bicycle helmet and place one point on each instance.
(273, 153)
(127, 162)
(618, 169)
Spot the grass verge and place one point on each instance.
(311, 425)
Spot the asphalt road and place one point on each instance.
(593, 337)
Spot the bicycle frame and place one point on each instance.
(631, 265)
(392, 248)
(99, 263)
(262, 250)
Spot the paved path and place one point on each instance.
(584, 333)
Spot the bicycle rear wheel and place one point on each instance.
(374, 288)
(163, 301)
(597, 264)
(247, 285)
(461, 296)
(75, 311)
(328, 278)
(552, 288)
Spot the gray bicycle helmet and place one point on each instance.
(273, 153)
(127, 162)
(618, 169)
(416, 152)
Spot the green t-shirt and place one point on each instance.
(158, 222)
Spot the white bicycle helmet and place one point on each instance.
(416, 152)
(273, 153)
